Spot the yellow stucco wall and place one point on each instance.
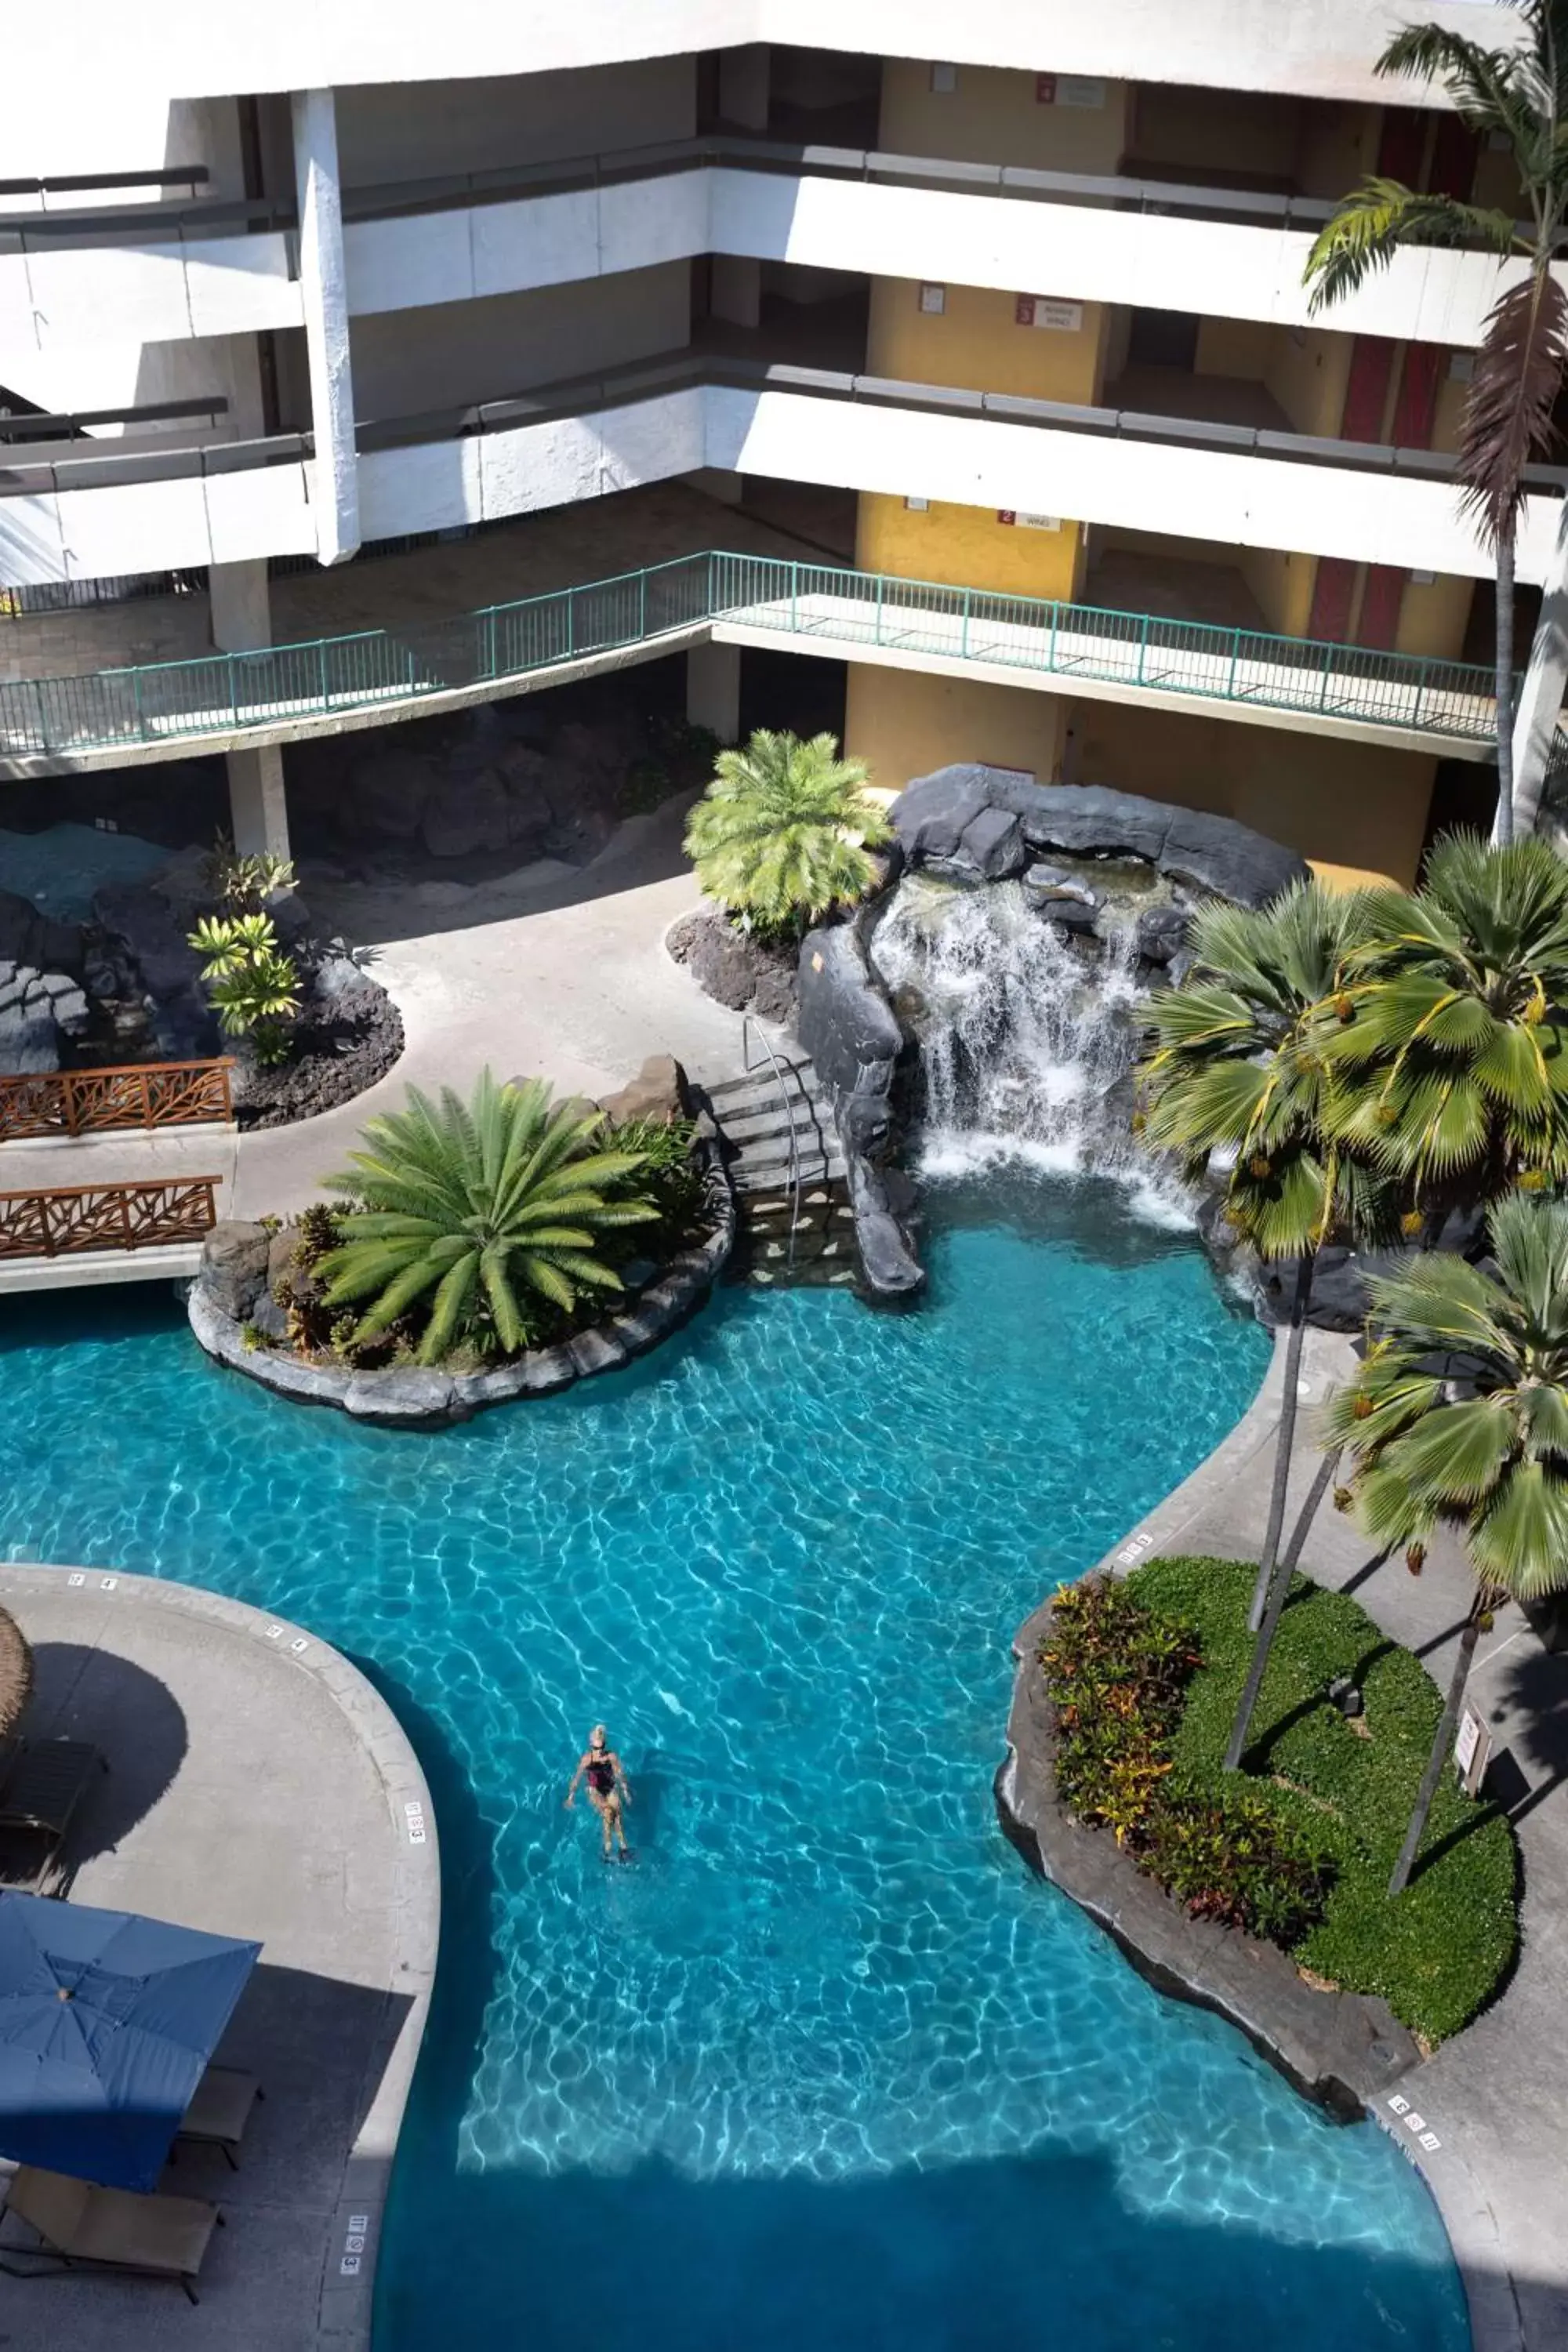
(1306, 371)
(1196, 129)
(1433, 616)
(994, 117)
(1355, 806)
(968, 546)
(1234, 347)
(977, 342)
(1282, 584)
(905, 723)
(1337, 146)
(1355, 803)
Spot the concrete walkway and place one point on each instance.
(257, 1787)
(553, 971)
(1496, 2096)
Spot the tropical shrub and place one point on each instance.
(1116, 1672)
(784, 832)
(1437, 1953)
(245, 883)
(253, 984)
(680, 756)
(484, 1219)
(666, 1173)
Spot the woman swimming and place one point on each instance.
(608, 1788)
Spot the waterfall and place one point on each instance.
(1028, 1040)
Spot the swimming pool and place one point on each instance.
(825, 2067)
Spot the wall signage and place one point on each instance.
(934, 299)
(1042, 310)
(1028, 522)
(1472, 1750)
(1069, 90)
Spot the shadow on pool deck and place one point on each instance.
(132, 1717)
(317, 2045)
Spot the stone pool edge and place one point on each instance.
(347, 2292)
(1456, 2180)
(409, 1398)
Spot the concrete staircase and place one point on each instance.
(760, 1116)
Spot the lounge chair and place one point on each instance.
(43, 1783)
(109, 2229)
(219, 2110)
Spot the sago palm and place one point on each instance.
(1519, 94)
(1458, 1418)
(785, 830)
(1450, 1028)
(1238, 1072)
(480, 1204)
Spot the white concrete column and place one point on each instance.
(713, 691)
(744, 86)
(1545, 679)
(257, 809)
(326, 323)
(241, 605)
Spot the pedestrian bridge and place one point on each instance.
(225, 701)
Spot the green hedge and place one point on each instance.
(1440, 1951)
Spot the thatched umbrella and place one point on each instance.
(16, 1674)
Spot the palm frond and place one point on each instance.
(1377, 219)
(1508, 420)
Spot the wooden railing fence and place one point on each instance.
(78, 1217)
(92, 1102)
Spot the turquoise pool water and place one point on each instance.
(825, 2067)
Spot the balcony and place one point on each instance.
(169, 271)
(88, 508)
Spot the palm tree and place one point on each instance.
(1458, 1417)
(482, 1204)
(785, 830)
(1452, 1022)
(1522, 95)
(1238, 1071)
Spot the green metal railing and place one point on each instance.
(224, 694)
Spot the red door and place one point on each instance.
(1403, 144)
(1453, 172)
(1381, 601)
(1331, 593)
(1366, 388)
(1416, 405)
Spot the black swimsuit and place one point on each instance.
(602, 1777)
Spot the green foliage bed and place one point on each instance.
(1439, 1952)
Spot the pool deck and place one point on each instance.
(551, 971)
(258, 1787)
(1495, 2097)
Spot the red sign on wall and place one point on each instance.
(1045, 89)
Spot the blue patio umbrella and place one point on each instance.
(107, 2020)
